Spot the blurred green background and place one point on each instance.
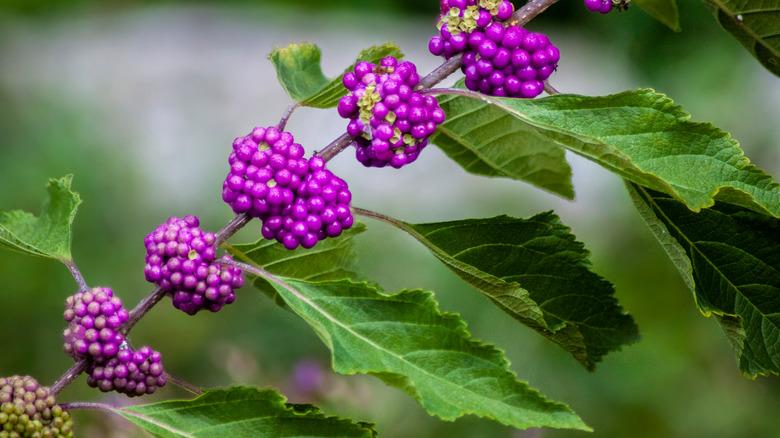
(141, 100)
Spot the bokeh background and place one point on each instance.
(141, 100)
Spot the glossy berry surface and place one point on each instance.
(321, 210)
(177, 239)
(209, 286)
(94, 320)
(509, 61)
(460, 18)
(389, 121)
(180, 258)
(133, 373)
(28, 410)
(266, 167)
(600, 6)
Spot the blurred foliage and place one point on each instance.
(681, 379)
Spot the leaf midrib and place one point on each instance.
(371, 343)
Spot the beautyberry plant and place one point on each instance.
(716, 214)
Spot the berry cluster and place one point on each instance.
(94, 318)
(459, 18)
(266, 167)
(389, 121)
(297, 199)
(509, 61)
(132, 373)
(180, 258)
(606, 6)
(28, 410)
(321, 210)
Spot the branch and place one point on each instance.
(72, 406)
(146, 304)
(530, 10)
(69, 376)
(287, 114)
(335, 147)
(521, 17)
(74, 271)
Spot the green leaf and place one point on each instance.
(485, 140)
(331, 259)
(300, 73)
(648, 139)
(47, 235)
(405, 340)
(536, 271)
(664, 11)
(239, 412)
(755, 24)
(730, 258)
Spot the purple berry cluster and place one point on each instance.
(266, 167)
(389, 121)
(320, 210)
(509, 61)
(606, 6)
(133, 373)
(28, 410)
(94, 320)
(459, 18)
(180, 258)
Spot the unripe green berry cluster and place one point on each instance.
(28, 410)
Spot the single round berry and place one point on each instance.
(94, 320)
(321, 210)
(600, 6)
(29, 410)
(133, 373)
(606, 6)
(460, 18)
(180, 259)
(266, 167)
(206, 286)
(509, 61)
(389, 121)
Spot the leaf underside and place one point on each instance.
(730, 258)
(536, 271)
(240, 412)
(299, 71)
(755, 24)
(49, 234)
(488, 141)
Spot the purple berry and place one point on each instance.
(94, 319)
(321, 210)
(392, 122)
(266, 167)
(133, 373)
(606, 6)
(459, 20)
(509, 61)
(180, 258)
